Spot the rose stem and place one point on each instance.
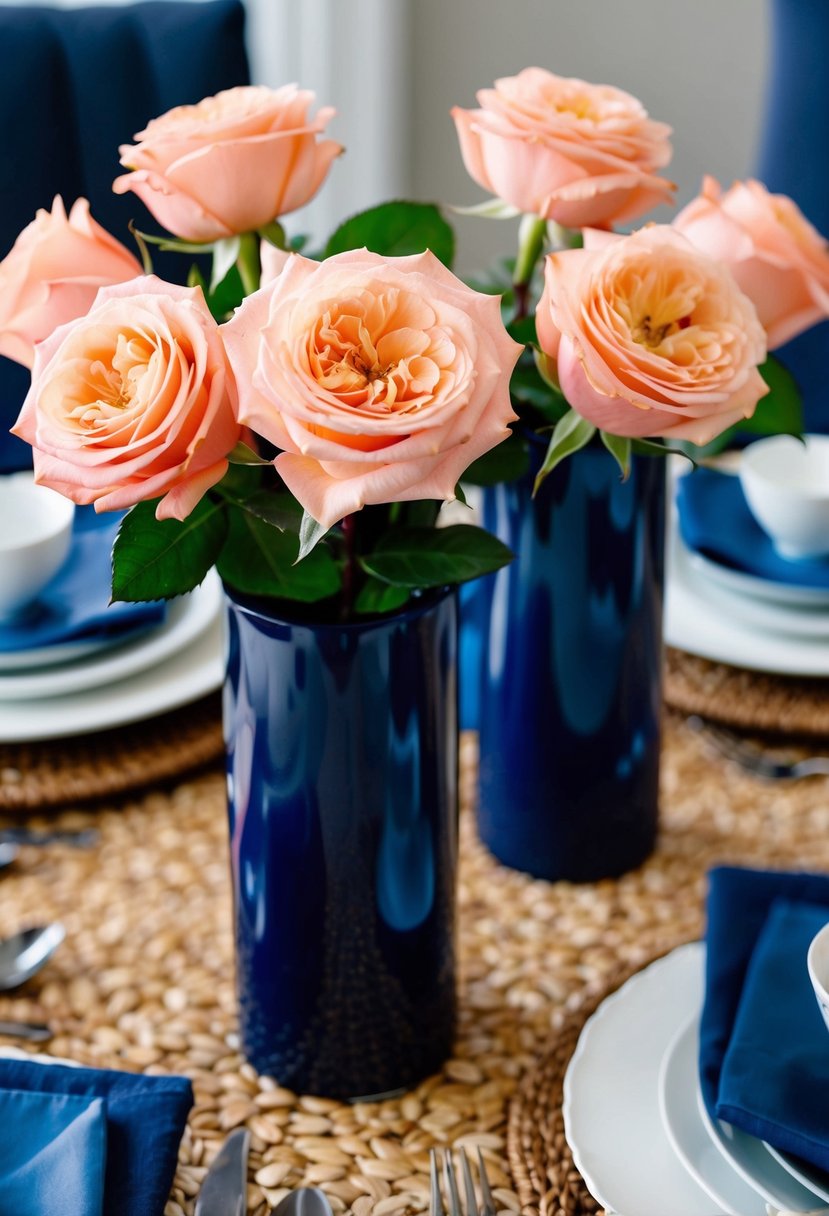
(530, 243)
(349, 527)
(247, 261)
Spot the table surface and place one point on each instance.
(144, 980)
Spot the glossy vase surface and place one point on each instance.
(571, 677)
(342, 773)
(793, 161)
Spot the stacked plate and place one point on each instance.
(93, 684)
(635, 1121)
(720, 613)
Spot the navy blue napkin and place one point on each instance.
(775, 1073)
(714, 520)
(51, 1145)
(739, 901)
(145, 1118)
(75, 604)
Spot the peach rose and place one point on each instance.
(133, 401)
(52, 274)
(230, 164)
(566, 150)
(381, 379)
(775, 254)
(651, 337)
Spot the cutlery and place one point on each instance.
(83, 839)
(753, 759)
(224, 1190)
(35, 1032)
(470, 1206)
(24, 953)
(304, 1201)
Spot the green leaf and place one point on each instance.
(490, 209)
(395, 229)
(652, 447)
(281, 511)
(146, 258)
(529, 387)
(460, 496)
(225, 253)
(433, 557)
(508, 461)
(274, 234)
(547, 370)
(780, 412)
(523, 330)
(619, 447)
(195, 278)
(258, 559)
(171, 243)
(310, 534)
(571, 433)
(375, 598)
(156, 559)
(242, 453)
(227, 296)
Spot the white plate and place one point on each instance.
(193, 672)
(803, 623)
(812, 1178)
(687, 1133)
(65, 652)
(186, 619)
(751, 585)
(699, 623)
(611, 1111)
(753, 1162)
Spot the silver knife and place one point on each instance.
(224, 1190)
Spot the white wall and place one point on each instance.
(696, 64)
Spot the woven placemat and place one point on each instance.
(748, 700)
(144, 979)
(101, 765)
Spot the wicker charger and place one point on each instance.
(748, 700)
(42, 775)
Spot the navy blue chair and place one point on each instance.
(74, 85)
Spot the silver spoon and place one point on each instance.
(35, 1032)
(304, 1201)
(24, 953)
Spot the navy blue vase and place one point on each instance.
(342, 770)
(570, 686)
(793, 161)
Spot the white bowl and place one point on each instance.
(35, 536)
(817, 961)
(786, 484)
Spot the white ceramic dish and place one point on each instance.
(186, 619)
(191, 673)
(817, 960)
(611, 1111)
(751, 586)
(697, 623)
(751, 1159)
(34, 541)
(40, 657)
(786, 485)
(812, 1178)
(803, 622)
(685, 1130)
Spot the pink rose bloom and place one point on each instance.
(565, 150)
(52, 274)
(650, 337)
(230, 164)
(381, 379)
(775, 254)
(133, 401)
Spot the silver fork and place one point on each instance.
(470, 1207)
(754, 760)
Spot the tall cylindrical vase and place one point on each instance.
(571, 676)
(792, 161)
(342, 789)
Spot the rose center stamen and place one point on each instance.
(650, 333)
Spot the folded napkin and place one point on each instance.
(52, 1145)
(75, 604)
(132, 1122)
(715, 521)
(764, 1049)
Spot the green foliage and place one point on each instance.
(507, 462)
(395, 229)
(157, 559)
(619, 447)
(780, 412)
(433, 557)
(259, 559)
(571, 433)
(375, 598)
